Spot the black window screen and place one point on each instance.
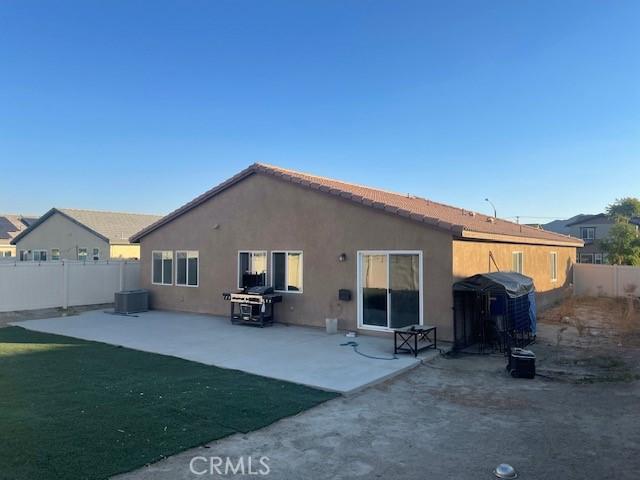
(279, 271)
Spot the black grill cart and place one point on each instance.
(253, 306)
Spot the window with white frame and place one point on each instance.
(96, 254)
(252, 269)
(286, 271)
(39, 255)
(7, 253)
(25, 255)
(597, 258)
(517, 262)
(586, 258)
(187, 268)
(82, 254)
(55, 254)
(588, 233)
(553, 259)
(162, 267)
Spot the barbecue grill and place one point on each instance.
(255, 306)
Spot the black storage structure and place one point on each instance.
(494, 312)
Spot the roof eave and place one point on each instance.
(497, 237)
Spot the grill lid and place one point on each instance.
(260, 290)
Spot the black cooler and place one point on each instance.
(522, 363)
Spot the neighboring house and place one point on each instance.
(562, 226)
(309, 236)
(68, 234)
(592, 229)
(10, 227)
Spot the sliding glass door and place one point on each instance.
(404, 290)
(375, 290)
(390, 289)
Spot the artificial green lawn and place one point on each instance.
(72, 409)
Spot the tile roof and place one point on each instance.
(600, 218)
(590, 219)
(562, 226)
(461, 222)
(113, 227)
(12, 225)
(116, 226)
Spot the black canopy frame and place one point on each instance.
(494, 311)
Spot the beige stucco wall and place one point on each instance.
(58, 231)
(470, 257)
(125, 251)
(264, 213)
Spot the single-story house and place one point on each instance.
(310, 236)
(86, 235)
(10, 227)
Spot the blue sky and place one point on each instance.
(140, 106)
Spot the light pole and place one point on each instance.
(495, 215)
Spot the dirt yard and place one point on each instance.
(590, 339)
(597, 320)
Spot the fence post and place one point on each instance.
(122, 285)
(65, 285)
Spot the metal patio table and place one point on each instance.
(406, 339)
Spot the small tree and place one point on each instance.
(622, 244)
(624, 209)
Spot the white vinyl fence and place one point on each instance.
(607, 280)
(32, 285)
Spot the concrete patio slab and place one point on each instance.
(302, 355)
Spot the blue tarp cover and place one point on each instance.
(532, 311)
